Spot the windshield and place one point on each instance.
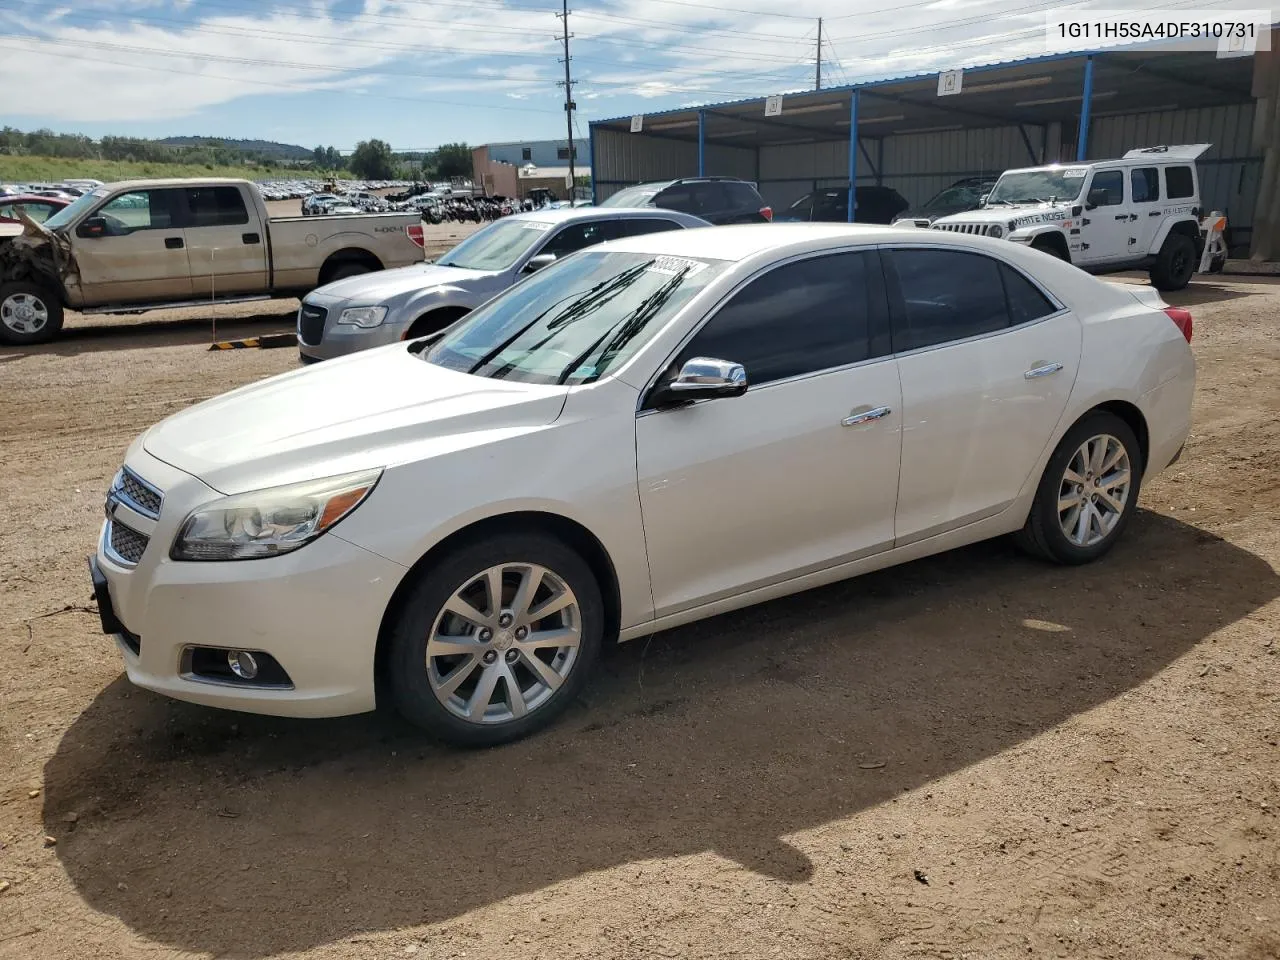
(1033, 186)
(575, 320)
(497, 246)
(638, 196)
(958, 197)
(73, 210)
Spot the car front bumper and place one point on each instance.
(316, 611)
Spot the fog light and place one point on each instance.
(242, 664)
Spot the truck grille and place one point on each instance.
(126, 543)
(139, 494)
(311, 324)
(977, 229)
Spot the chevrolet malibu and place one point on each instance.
(646, 433)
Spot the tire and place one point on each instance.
(434, 322)
(29, 313)
(1044, 535)
(421, 670)
(1175, 263)
(344, 270)
(1052, 249)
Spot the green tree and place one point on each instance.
(449, 160)
(373, 160)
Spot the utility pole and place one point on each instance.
(817, 83)
(569, 105)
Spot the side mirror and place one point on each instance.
(93, 227)
(1097, 198)
(702, 378)
(982, 200)
(537, 263)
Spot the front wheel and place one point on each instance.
(29, 313)
(1087, 494)
(496, 641)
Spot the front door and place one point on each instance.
(987, 364)
(142, 257)
(1111, 222)
(801, 472)
(226, 246)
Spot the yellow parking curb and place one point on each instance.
(262, 343)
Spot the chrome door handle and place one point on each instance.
(865, 417)
(1048, 370)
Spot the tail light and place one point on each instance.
(414, 231)
(767, 213)
(1182, 318)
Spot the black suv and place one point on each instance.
(717, 200)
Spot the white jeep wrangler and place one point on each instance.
(1139, 212)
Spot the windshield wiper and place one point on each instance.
(629, 328)
(593, 298)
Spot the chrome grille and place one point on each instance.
(311, 324)
(137, 493)
(126, 543)
(977, 229)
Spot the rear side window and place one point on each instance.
(799, 318)
(1145, 183)
(946, 295)
(1179, 183)
(215, 207)
(578, 236)
(1026, 302)
(636, 228)
(742, 195)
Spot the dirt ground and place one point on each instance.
(974, 755)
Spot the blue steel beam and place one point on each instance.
(1086, 106)
(853, 152)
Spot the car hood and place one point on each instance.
(1030, 212)
(371, 409)
(385, 284)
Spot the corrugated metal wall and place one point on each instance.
(1230, 170)
(623, 158)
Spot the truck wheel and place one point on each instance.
(1051, 248)
(1175, 263)
(29, 313)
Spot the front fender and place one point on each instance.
(447, 297)
(1027, 235)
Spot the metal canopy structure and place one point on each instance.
(1031, 111)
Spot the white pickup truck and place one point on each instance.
(1142, 211)
(152, 244)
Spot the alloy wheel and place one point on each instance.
(1094, 490)
(504, 643)
(24, 313)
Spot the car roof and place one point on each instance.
(741, 242)
(1148, 160)
(562, 214)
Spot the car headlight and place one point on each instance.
(996, 231)
(362, 316)
(265, 523)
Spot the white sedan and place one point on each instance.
(647, 433)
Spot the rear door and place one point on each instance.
(227, 250)
(142, 257)
(987, 361)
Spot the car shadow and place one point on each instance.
(82, 335)
(233, 834)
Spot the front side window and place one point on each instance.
(1145, 183)
(497, 246)
(945, 295)
(139, 210)
(798, 318)
(1179, 183)
(1107, 188)
(578, 236)
(215, 207)
(575, 321)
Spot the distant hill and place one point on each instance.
(265, 148)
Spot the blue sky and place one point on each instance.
(418, 73)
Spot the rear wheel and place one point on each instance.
(1175, 263)
(1087, 494)
(29, 313)
(493, 643)
(344, 270)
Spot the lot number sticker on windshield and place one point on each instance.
(674, 265)
(528, 225)
(1074, 174)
